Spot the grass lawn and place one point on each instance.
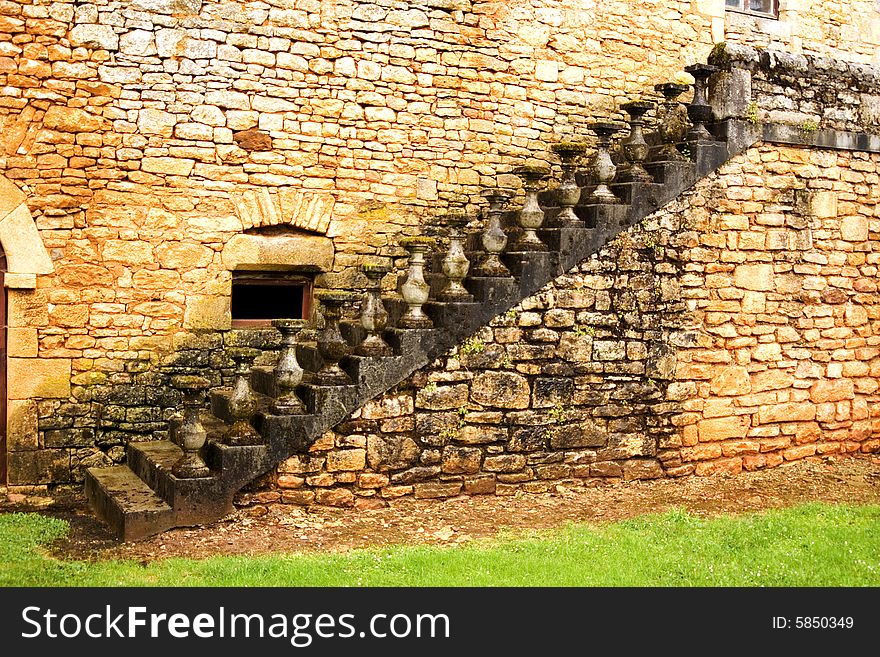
(809, 545)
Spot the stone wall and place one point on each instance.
(809, 92)
(735, 329)
(148, 136)
(842, 29)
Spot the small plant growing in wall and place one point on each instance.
(558, 414)
(431, 387)
(472, 346)
(581, 331)
(752, 113)
(809, 126)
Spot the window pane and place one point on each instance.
(763, 6)
(736, 4)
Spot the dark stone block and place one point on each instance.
(44, 466)
(584, 434)
(69, 438)
(414, 475)
(549, 392)
(530, 439)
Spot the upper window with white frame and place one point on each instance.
(763, 8)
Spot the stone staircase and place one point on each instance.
(145, 496)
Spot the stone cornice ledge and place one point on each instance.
(741, 135)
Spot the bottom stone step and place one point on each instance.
(122, 500)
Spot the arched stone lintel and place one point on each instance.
(26, 256)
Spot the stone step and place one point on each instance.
(129, 506)
(194, 501)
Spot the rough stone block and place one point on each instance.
(435, 489)
(642, 469)
(501, 390)
(21, 342)
(207, 312)
(732, 380)
(45, 378)
(21, 425)
(504, 463)
(347, 459)
(788, 412)
(823, 204)
(723, 428)
(341, 497)
(832, 390)
(44, 466)
(754, 277)
(583, 434)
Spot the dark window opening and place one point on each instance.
(762, 8)
(260, 297)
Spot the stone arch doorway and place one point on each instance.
(24, 259)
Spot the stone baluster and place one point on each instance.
(604, 169)
(374, 316)
(634, 147)
(494, 237)
(242, 404)
(699, 111)
(191, 435)
(673, 122)
(455, 263)
(288, 372)
(331, 345)
(531, 217)
(415, 291)
(568, 192)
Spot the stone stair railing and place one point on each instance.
(271, 414)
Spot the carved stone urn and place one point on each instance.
(288, 372)
(494, 238)
(242, 404)
(634, 147)
(455, 263)
(331, 345)
(374, 316)
(415, 291)
(569, 193)
(604, 168)
(673, 122)
(191, 435)
(531, 216)
(699, 111)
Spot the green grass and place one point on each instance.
(810, 545)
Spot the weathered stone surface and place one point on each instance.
(832, 390)
(253, 140)
(461, 460)
(38, 378)
(255, 252)
(723, 428)
(501, 390)
(346, 459)
(754, 277)
(583, 434)
(71, 119)
(642, 469)
(731, 381)
(789, 412)
(94, 36)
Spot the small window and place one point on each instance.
(763, 8)
(260, 297)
